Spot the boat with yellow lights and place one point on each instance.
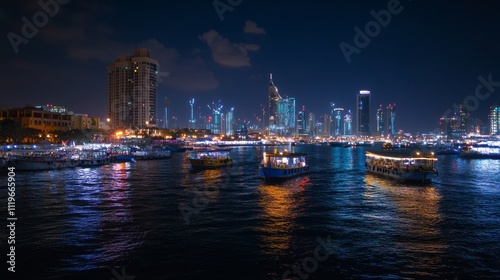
(406, 166)
(209, 158)
(283, 165)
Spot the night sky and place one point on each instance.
(427, 58)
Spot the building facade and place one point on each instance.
(494, 119)
(363, 113)
(301, 125)
(380, 121)
(348, 123)
(338, 121)
(47, 121)
(132, 90)
(273, 100)
(286, 117)
(391, 120)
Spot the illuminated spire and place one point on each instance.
(271, 80)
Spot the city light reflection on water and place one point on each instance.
(281, 205)
(417, 217)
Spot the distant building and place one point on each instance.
(82, 121)
(465, 120)
(53, 108)
(363, 113)
(449, 126)
(132, 90)
(229, 122)
(348, 123)
(495, 119)
(273, 100)
(50, 118)
(380, 121)
(311, 125)
(338, 121)
(286, 117)
(325, 129)
(390, 115)
(301, 126)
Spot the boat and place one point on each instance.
(363, 144)
(283, 165)
(122, 154)
(209, 158)
(337, 144)
(387, 146)
(41, 162)
(486, 150)
(413, 166)
(152, 154)
(93, 158)
(446, 151)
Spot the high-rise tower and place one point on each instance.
(273, 99)
(132, 90)
(192, 120)
(380, 121)
(391, 119)
(495, 119)
(363, 113)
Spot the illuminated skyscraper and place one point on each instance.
(215, 123)
(495, 119)
(325, 129)
(338, 121)
(380, 121)
(229, 122)
(391, 120)
(273, 99)
(465, 120)
(348, 123)
(449, 126)
(301, 122)
(311, 125)
(132, 90)
(363, 113)
(192, 120)
(286, 116)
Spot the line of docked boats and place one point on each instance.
(412, 165)
(77, 156)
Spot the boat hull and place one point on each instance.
(41, 164)
(412, 176)
(123, 158)
(94, 162)
(271, 173)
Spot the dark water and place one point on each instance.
(159, 220)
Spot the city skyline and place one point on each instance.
(434, 63)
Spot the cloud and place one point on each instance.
(251, 27)
(226, 53)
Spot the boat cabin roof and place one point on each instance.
(285, 154)
(401, 155)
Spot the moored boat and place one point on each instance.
(32, 163)
(153, 154)
(283, 165)
(404, 166)
(488, 150)
(209, 158)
